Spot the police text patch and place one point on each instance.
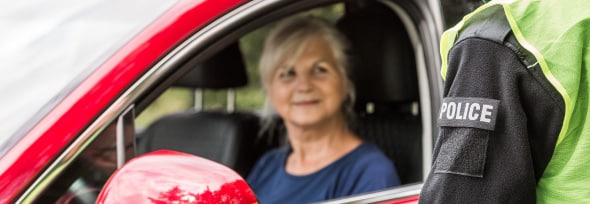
(469, 112)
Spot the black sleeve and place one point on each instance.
(501, 163)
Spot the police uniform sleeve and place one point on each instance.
(498, 124)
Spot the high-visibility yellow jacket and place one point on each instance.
(528, 62)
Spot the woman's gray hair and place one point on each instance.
(287, 40)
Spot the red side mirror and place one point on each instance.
(172, 177)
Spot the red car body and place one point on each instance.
(59, 127)
(168, 183)
(45, 141)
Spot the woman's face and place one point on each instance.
(308, 91)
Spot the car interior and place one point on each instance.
(384, 75)
(387, 110)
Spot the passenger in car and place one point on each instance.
(304, 74)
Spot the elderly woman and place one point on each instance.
(304, 73)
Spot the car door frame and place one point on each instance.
(419, 18)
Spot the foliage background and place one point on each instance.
(248, 98)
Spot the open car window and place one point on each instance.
(390, 114)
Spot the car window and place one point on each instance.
(401, 117)
(247, 98)
(173, 100)
(83, 179)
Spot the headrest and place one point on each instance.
(382, 59)
(224, 70)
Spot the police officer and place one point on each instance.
(514, 121)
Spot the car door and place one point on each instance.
(171, 53)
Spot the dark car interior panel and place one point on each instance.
(384, 75)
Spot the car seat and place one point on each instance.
(384, 75)
(226, 137)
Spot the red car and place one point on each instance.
(76, 74)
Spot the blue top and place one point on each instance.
(364, 169)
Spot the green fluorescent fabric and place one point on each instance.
(557, 32)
